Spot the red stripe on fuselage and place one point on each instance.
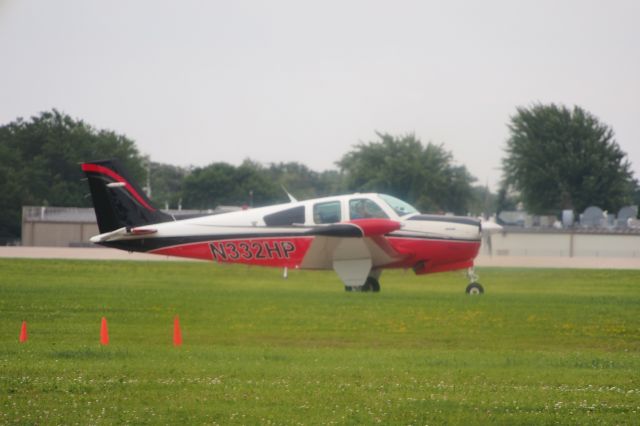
(113, 175)
(438, 255)
(277, 252)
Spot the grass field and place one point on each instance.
(540, 347)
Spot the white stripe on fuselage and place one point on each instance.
(251, 221)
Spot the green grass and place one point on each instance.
(540, 347)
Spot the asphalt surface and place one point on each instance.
(487, 261)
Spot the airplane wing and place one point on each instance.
(352, 249)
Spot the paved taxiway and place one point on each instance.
(498, 261)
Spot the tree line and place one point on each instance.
(402, 166)
(555, 159)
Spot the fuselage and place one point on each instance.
(288, 235)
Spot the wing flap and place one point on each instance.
(324, 250)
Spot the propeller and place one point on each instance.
(489, 227)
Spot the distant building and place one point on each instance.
(596, 234)
(572, 242)
(592, 218)
(58, 226)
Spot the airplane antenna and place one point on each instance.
(292, 199)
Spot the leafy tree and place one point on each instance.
(251, 182)
(223, 184)
(330, 182)
(565, 159)
(166, 184)
(482, 202)
(253, 179)
(304, 183)
(40, 163)
(401, 166)
(505, 200)
(296, 178)
(207, 187)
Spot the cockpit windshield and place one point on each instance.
(398, 206)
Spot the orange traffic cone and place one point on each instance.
(177, 334)
(23, 332)
(104, 332)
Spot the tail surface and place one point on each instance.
(118, 201)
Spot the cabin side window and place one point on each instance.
(285, 217)
(328, 212)
(363, 208)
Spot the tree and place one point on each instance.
(483, 202)
(304, 183)
(401, 166)
(223, 184)
(565, 159)
(40, 163)
(330, 182)
(166, 184)
(505, 200)
(296, 178)
(253, 179)
(253, 183)
(207, 187)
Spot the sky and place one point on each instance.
(198, 82)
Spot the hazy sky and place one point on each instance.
(195, 82)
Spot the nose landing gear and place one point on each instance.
(474, 286)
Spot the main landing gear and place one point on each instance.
(474, 286)
(372, 284)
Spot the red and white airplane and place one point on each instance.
(356, 235)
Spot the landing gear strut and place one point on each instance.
(474, 286)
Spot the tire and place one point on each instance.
(366, 286)
(371, 285)
(374, 284)
(474, 289)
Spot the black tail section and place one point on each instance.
(117, 200)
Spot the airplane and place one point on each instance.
(356, 235)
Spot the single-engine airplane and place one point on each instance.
(356, 235)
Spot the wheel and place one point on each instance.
(374, 284)
(474, 288)
(371, 284)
